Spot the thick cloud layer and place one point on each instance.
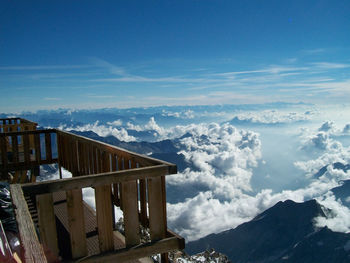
(228, 202)
(223, 156)
(223, 160)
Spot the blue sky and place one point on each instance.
(89, 54)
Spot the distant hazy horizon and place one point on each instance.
(237, 160)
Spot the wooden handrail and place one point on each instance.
(139, 251)
(95, 179)
(33, 251)
(142, 159)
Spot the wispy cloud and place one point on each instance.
(314, 51)
(95, 96)
(52, 98)
(113, 69)
(328, 65)
(44, 67)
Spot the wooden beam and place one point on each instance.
(95, 180)
(33, 251)
(28, 132)
(136, 252)
(47, 222)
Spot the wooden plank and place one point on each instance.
(87, 159)
(80, 151)
(76, 223)
(4, 160)
(98, 161)
(104, 217)
(33, 251)
(114, 167)
(3, 150)
(143, 202)
(94, 180)
(131, 216)
(26, 148)
(47, 222)
(48, 147)
(157, 218)
(66, 153)
(37, 147)
(141, 251)
(120, 168)
(15, 156)
(94, 158)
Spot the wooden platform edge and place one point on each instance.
(33, 251)
(140, 251)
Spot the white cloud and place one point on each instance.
(225, 170)
(153, 126)
(327, 126)
(188, 114)
(102, 130)
(116, 123)
(346, 128)
(338, 219)
(274, 117)
(321, 139)
(328, 65)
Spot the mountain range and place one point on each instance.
(282, 233)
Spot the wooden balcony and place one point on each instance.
(69, 229)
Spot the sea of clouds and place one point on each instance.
(224, 157)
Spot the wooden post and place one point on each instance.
(157, 211)
(130, 209)
(15, 156)
(76, 223)
(47, 222)
(48, 148)
(104, 217)
(26, 148)
(143, 202)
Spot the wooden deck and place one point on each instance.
(60, 208)
(68, 227)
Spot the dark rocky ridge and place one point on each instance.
(283, 233)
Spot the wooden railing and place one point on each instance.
(16, 124)
(25, 151)
(133, 182)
